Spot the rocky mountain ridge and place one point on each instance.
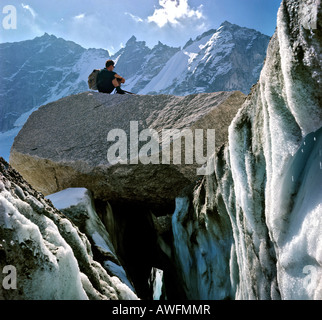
(35, 72)
(227, 59)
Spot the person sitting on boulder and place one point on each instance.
(108, 80)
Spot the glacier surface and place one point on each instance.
(253, 229)
(53, 259)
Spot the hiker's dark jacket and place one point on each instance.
(104, 81)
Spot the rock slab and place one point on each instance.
(64, 144)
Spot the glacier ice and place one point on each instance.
(156, 283)
(261, 210)
(78, 205)
(59, 276)
(53, 259)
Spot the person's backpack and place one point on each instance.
(92, 79)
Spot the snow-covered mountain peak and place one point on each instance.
(226, 59)
(38, 71)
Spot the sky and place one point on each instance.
(109, 24)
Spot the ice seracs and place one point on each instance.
(253, 229)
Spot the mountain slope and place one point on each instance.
(35, 72)
(226, 59)
(139, 64)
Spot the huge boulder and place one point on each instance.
(64, 144)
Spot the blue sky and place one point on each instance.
(109, 24)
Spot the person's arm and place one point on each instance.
(119, 77)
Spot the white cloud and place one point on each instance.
(28, 8)
(80, 16)
(174, 12)
(135, 18)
